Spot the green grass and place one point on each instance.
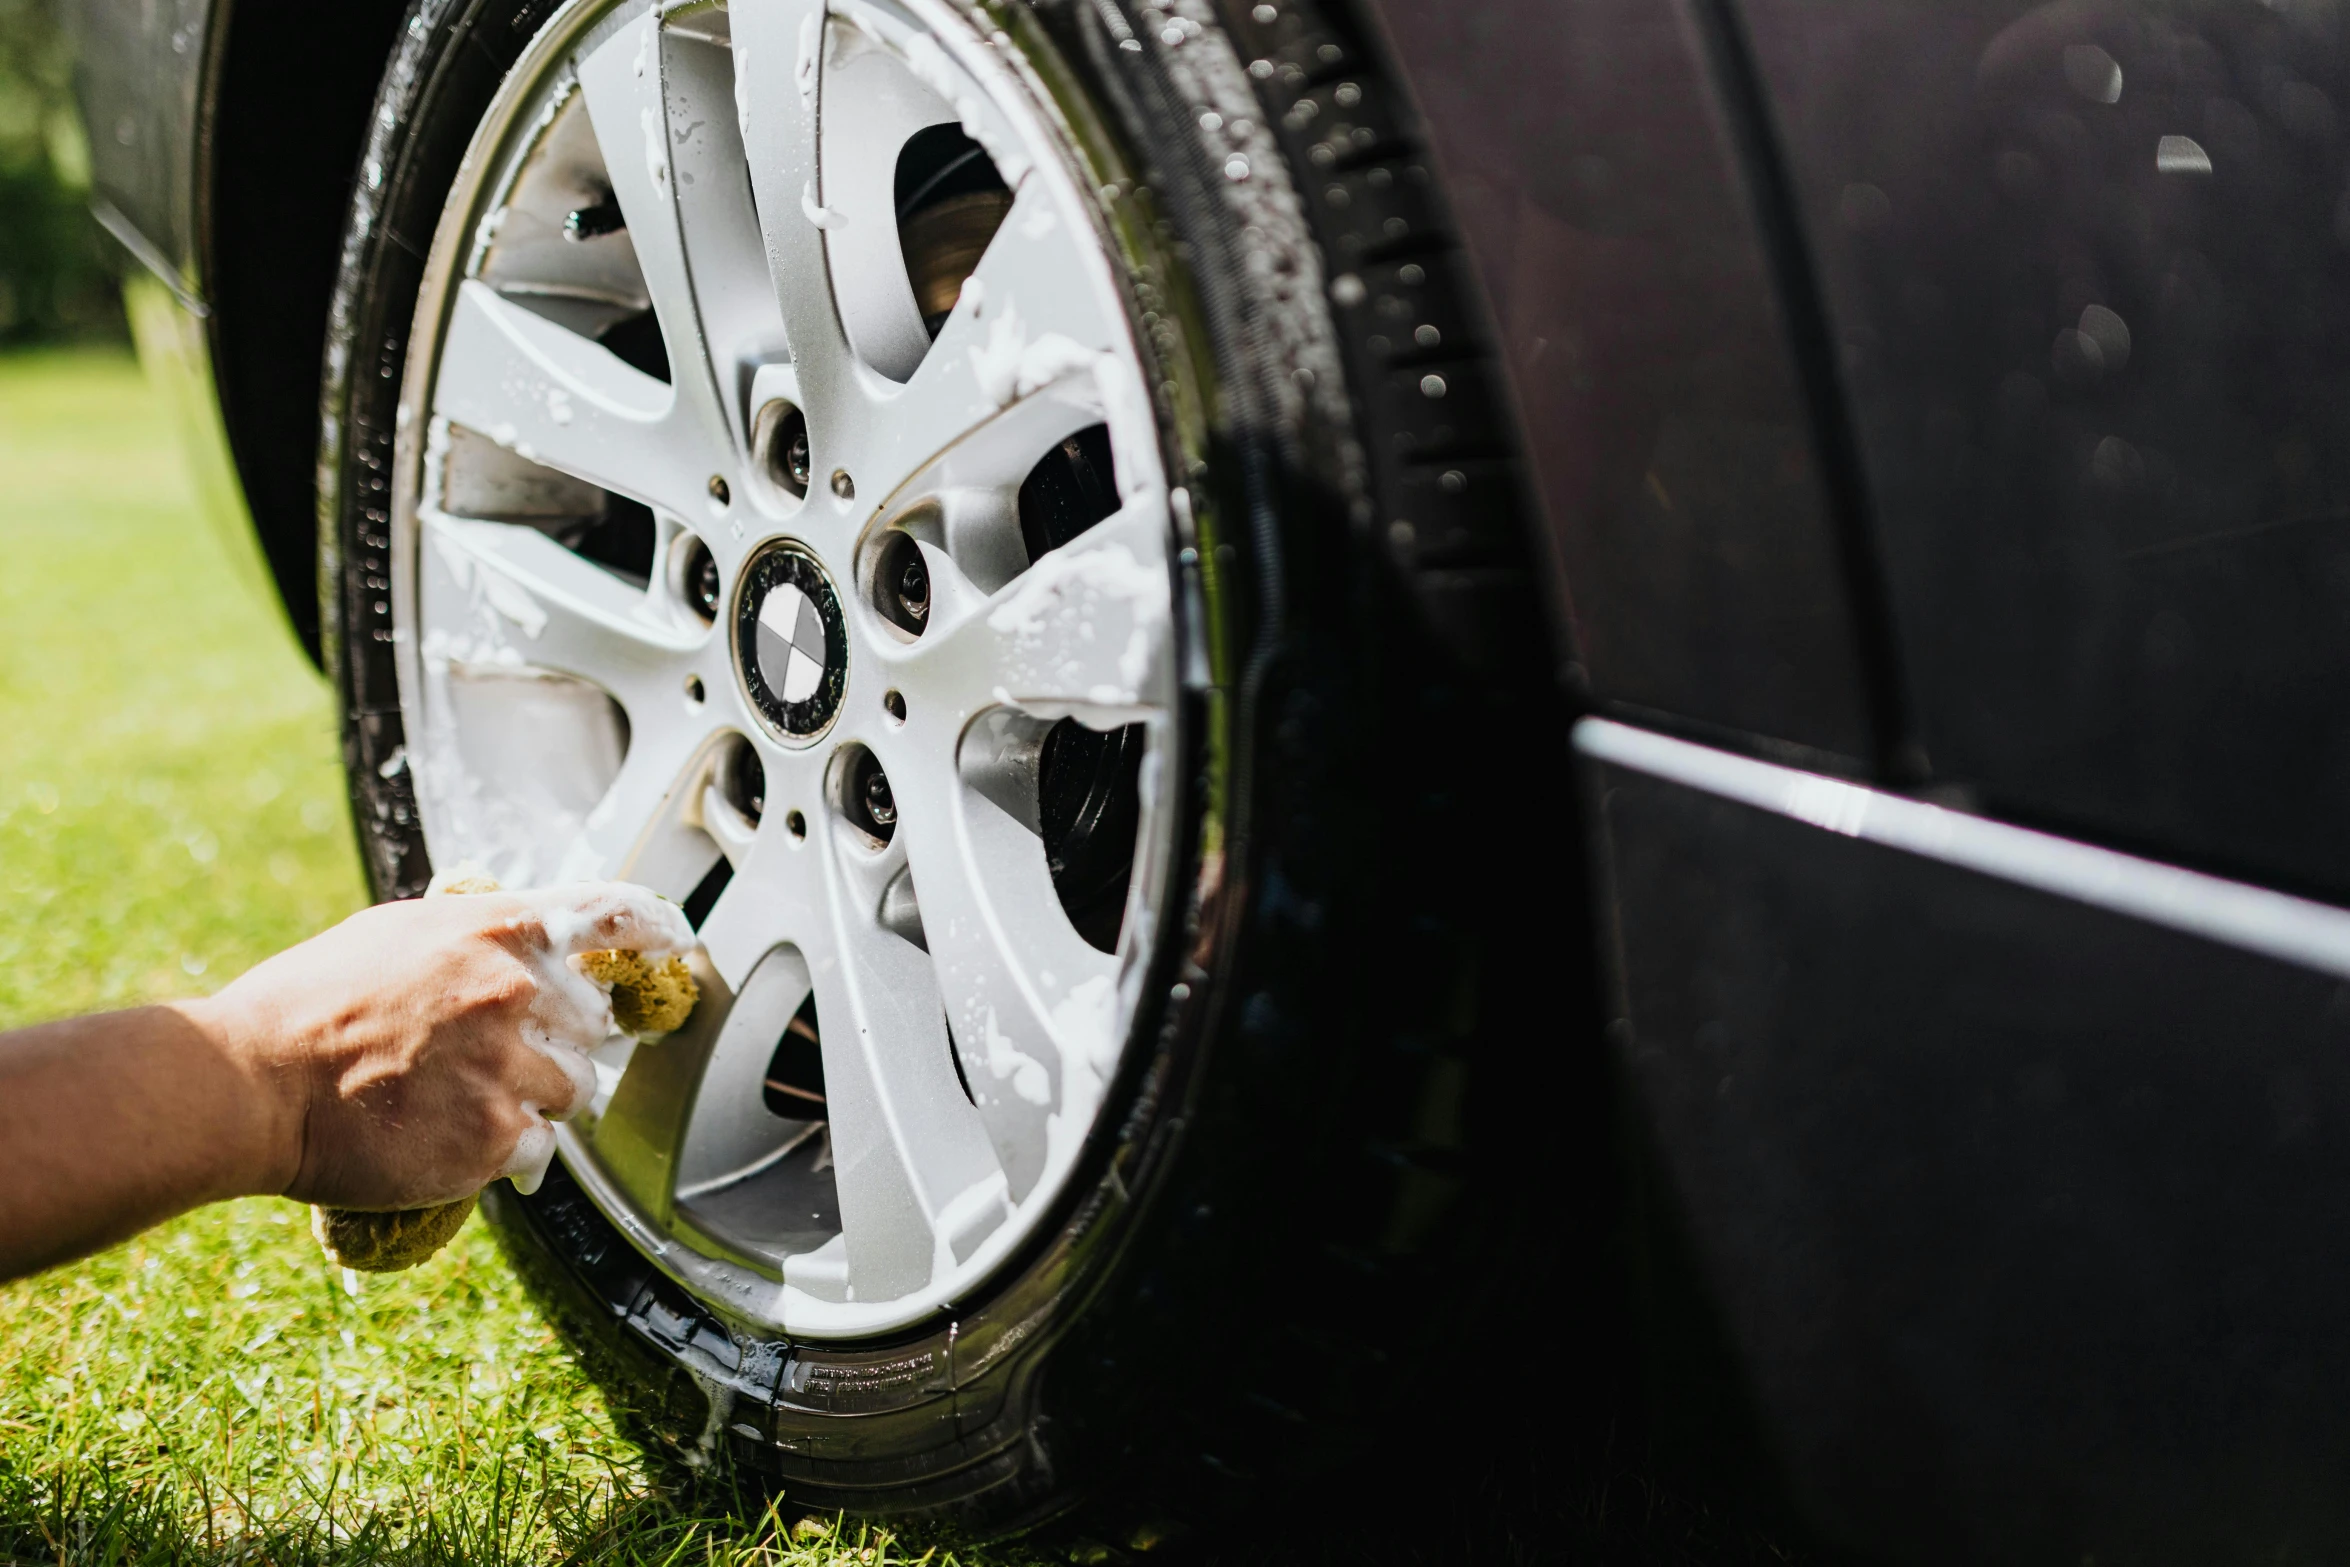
(170, 812)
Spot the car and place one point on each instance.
(1413, 742)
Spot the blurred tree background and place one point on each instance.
(56, 265)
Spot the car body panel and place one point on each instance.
(224, 142)
(140, 74)
(2022, 1212)
(1601, 194)
(2015, 1208)
(2086, 271)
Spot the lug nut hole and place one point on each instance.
(865, 798)
(901, 584)
(742, 781)
(719, 492)
(693, 690)
(842, 485)
(894, 703)
(698, 581)
(797, 825)
(780, 437)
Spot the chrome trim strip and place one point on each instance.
(142, 249)
(2254, 919)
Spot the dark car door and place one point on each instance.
(1954, 399)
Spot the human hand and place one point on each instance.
(417, 1051)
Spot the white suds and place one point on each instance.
(1029, 1078)
(822, 217)
(1065, 601)
(1009, 366)
(656, 148)
(811, 52)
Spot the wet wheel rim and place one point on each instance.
(740, 552)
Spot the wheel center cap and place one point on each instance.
(789, 641)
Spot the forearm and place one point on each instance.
(406, 1057)
(112, 1123)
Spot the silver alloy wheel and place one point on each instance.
(605, 671)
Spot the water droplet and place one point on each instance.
(2117, 465)
(2092, 73)
(2181, 155)
(2076, 357)
(2109, 332)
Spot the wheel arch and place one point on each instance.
(286, 111)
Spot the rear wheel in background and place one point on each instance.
(893, 479)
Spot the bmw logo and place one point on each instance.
(789, 641)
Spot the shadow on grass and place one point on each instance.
(1518, 1516)
(106, 1517)
(110, 1517)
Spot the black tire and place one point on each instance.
(1350, 1221)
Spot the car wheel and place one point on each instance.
(1001, 513)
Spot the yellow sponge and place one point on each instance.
(647, 1000)
(387, 1242)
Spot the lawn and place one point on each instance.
(171, 811)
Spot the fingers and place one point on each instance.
(571, 1009)
(558, 1083)
(561, 1078)
(533, 1151)
(596, 916)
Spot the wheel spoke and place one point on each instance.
(917, 1178)
(624, 82)
(733, 294)
(532, 602)
(778, 49)
(916, 1173)
(1030, 1003)
(1081, 633)
(646, 828)
(640, 1134)
(1026, 348)
(504, 598)
(731, 1132)
(559, 399)
(871, 105)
